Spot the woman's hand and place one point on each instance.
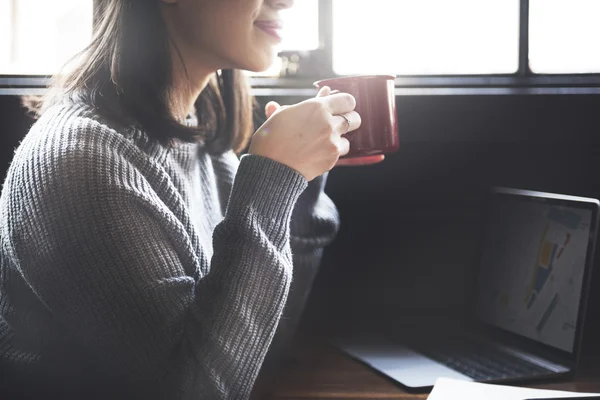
(272, 107)
(307, 136)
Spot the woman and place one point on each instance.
(140, 257)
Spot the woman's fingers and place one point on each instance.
(271, 107)
(343, 146)
(347, 122)
(340, 103)
(324, 91)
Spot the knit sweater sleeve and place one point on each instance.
(104, 254)
(315, 223)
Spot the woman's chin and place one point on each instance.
(259, 68)
(262, 63)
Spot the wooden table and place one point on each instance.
(317, 370)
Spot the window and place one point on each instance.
(426, 37)
(564, 36)
(425, 42)
(301, 22)
(300, 33)
(38, 36)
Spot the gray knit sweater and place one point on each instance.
(130, 268)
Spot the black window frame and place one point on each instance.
(317, 64)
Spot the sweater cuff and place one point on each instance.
(266, 187)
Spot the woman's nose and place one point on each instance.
(281, 4)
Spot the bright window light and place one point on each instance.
(564, 36)
(301, 22)
(425, 37)
(300, 33)
(38, 36)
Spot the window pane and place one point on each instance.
(301, 31)
(5, 48)
(426, 37)
(39, 36)
(564, 36)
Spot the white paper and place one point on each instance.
(451, 389)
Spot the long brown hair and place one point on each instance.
(125, 74)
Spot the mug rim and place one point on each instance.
(339, 78)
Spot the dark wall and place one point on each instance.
(417, 214)
(410, 226)
(408, 242)
(14, 124)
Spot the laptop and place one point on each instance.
(528, 300)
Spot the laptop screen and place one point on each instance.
(533, 264)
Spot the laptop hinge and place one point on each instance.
(542, 362)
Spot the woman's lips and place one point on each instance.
(273, 28)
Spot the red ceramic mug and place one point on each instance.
(376, 104)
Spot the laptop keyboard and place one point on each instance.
(482, 362)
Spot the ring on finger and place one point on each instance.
(348, 121)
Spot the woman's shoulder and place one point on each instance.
(77, 130)
(70, 125)
(71, 145)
